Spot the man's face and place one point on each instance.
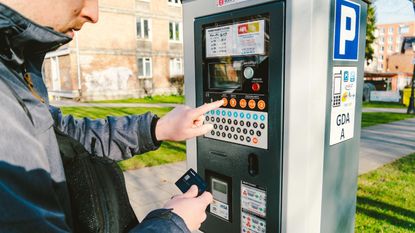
(67, 16)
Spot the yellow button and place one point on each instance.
(261, 105)
(232, 102)
(251, 104)
(242, 103)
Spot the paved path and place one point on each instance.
(150, 188)
(392, 110)
(111, 105)
(381, 144)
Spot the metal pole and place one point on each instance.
(411, 107)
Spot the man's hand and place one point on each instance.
(190, 207)
(183, 123)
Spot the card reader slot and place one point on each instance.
(217, 153)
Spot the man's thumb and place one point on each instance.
(192, 192)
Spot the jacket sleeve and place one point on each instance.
(118, 138)
(161, 220)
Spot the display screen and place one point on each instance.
(225, 76)
(220, 187)
(337, 84)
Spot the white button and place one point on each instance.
(248, 72)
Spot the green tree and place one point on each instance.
(370, 33)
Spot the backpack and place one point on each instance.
(98, 196)
(99, 200)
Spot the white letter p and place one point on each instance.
(345, 34)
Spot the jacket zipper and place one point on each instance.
(28, 79)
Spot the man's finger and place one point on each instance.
(207, 107)
(201, 130)
(191, 193)
(199, 121)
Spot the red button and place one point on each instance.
(256, 87)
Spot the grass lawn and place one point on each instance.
(169, 151)
(386, 198)
(374, 118)
(170, 99)
(382, 105)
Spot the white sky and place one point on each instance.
(393, 11)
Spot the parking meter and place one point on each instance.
(290, 74)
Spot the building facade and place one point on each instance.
(134, 50)
(389, 38)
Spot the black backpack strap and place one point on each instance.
(19, 99)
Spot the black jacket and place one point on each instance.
(33, 192)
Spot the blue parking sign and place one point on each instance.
(346, 30)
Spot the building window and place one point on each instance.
(176, 67)
(143, 28)
(390, 39)
(390, 48)
(174, 2)
(381, 58)
(145, 67)
(403, 29)
(391, 30)
(382, 39)
(382, 48)
(175, 31)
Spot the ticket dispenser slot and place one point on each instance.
(235, 62)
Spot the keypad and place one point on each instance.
(239, 126)
(336, 100)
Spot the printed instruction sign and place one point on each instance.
(222, 3)
(253, 208)
(235, 40)
(343, 104)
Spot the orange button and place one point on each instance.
(261, 105)
(251, 104)
(225, 102)
(255, 140)
(242, 103)
(233, 102)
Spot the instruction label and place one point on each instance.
(250, 223)
(343, 104)
(253, 199)
(220, 209)
(253, 208)
(222, 3)
(237, 39)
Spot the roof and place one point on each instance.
(384, 74)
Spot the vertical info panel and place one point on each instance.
(235, 69)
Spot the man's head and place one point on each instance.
(62, 15)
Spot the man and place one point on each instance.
(33, 192)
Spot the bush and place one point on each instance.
(178, 83)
